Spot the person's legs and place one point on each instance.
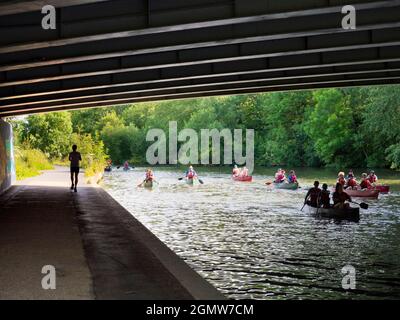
(72, 180)
(76, 179)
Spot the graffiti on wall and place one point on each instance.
(7, 163)
(10, 158)
(3, 161)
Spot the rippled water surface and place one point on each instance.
(251, 241)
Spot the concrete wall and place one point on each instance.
(7, 163)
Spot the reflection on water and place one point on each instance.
(251, 241)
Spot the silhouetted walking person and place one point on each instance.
(74, 158)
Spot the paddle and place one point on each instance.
(362, 205)
(141, 184)
(305, 202)
(201, 181)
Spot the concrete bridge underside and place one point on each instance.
(123, 51)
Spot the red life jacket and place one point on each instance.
(365, 184)
(352, 182)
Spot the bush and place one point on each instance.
(92, 151)
(29, 162)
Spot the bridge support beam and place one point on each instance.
(7, 163)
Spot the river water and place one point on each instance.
(251, 241)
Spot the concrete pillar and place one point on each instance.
(7, 163)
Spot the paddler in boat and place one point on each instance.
(341, 179)
(340, 197)
(365, 182)
(109, 165)
(126, 165)
(236, 171)
(313, 194)
(350, 174)
(324, 199)
(292, 177)
(351, 181)
(280, 176)
(149, 176)
(244, 172)
(190, 173)
(372, 177)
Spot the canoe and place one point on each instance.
(351, 214)
(363, 193)
(243, 179)
(148, 184)
(286, 186)
(382, 188)
(192, 182)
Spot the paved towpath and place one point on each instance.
(99, 250)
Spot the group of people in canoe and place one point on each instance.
(190, 174)
(367, 181)
(240, 172)
(317, 197)
(280, 176)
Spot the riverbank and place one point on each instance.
(99, 250)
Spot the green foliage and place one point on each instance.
(380, 126)
(124, 143)
(49, 133)
(334, 127)
(51, 136)
(351, 127)
(92, 152)
(393, 155)
(285, 138)
(29, 162)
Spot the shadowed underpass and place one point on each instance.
(98, 249)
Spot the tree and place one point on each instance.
(49, 133)
(380, 126)
(330, 127)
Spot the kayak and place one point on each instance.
(192, 182)
(286, 186)
(363, 193)
(382, 188)
(243, 179)
(352, 214)
(107, 169)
